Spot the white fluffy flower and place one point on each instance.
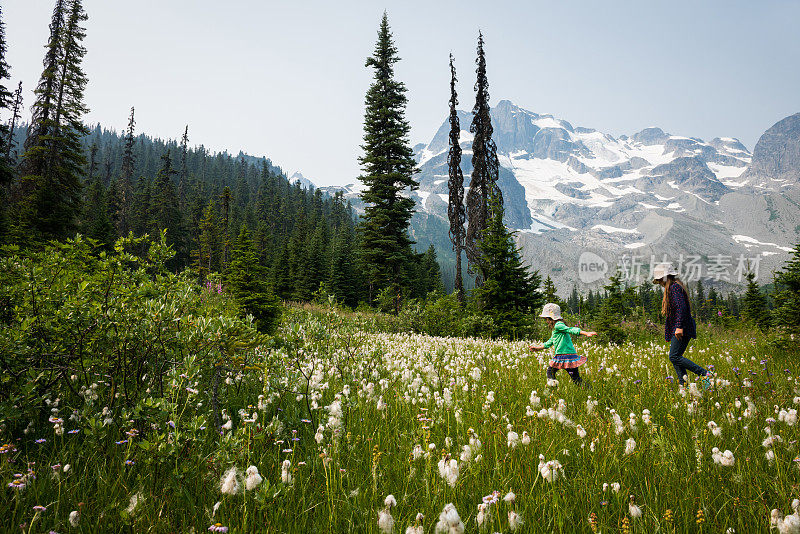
(466, 454)
(449, 470)
(551, 470)
(252, 478)
(385, 522)
(630, 446)
(510, 497)
(715, 428)
(788, 416)
(727, 459)
(286, 475)
(634, 510)
(229, 485)
(646, 416)
(390, 501)
(526, 438)
(136, 499)
(449, 521)
(513, 440)
(514, 521)
(74, 518)
(580, 431)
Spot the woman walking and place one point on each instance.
(679, 327)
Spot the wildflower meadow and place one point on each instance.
(341, 422)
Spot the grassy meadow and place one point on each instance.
(337, 424)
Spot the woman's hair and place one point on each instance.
(665, 302)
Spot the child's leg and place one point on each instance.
(575, 375)
(551, 372)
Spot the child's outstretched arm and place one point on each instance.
(587, 333)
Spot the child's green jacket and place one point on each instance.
(561, 338)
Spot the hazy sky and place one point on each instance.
(287, 79)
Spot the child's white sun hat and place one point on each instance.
(663, 269)
(551, 311)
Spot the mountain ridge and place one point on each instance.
(649, 193)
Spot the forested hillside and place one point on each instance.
(305, 238)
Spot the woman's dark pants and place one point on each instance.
(676, 349)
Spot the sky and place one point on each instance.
(287, 79)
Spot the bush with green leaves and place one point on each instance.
(85, 326)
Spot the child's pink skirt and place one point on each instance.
(567, 361)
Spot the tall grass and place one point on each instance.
(397, 391)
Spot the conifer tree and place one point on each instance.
(430, 276)
(164, 210)
(207, 253)
(16, 114)
(226, 217)
(41, 124)
(787, 295)
(125, 189)
(700, 306)
(485, 166)
(753, 304)
(612, 311)
(455, 207)
(184, 174)
(246, 279)
(54, 161)
(6, 132)
(96, 222)
(574, 301)
(509, 291)
(342, 282)
(280, 274)
(388, 165)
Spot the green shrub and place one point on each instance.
(82, 325)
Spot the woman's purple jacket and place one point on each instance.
(680, 315)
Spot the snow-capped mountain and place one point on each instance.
(569, 190)
(297, 176)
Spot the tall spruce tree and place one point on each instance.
(124, 204)
(54, 161)
(41, 124)
(485, 166)
(16, 114)
(455, 207)
(246, 279)
(700, 304)
(164, 210)
(6, 132)
(612, 311)
(754, 304)
(549, 292)
(787, 295)
(388, 165)
(508, 291)
(184, 173)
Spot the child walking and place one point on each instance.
(565, 355)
